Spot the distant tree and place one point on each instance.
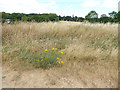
(75, 18)
(53, 17)
(117, 17)
(57, 19)
(104, 15)
(112, 14)
(68, 18)
(80, 19)
(35, 18)
(60, 18)
(14, 16)
(25, 18)
(104, 18)
(92, 16)
(4, 15)
(43, 18)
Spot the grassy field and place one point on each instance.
(88, 48)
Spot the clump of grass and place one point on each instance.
(48, 58)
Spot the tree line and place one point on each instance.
(92, 17)
(29, 17)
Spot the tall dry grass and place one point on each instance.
(89, 47)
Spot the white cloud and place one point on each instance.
(55, 6)
(110, 4)
(119, 6)
(26, 6)
(69, 6)
(90, 3)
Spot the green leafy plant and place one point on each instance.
(48, 58)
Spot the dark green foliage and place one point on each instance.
(117, 16)
(29, 17)
(69, 18)
(92, 17)
(25, 18)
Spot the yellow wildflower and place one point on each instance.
(61, 52)
(53, 48)
(61, 61)
(46, 50)
(57, 57)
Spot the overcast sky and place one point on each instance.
(79, 8)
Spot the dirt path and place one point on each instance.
(52, 78)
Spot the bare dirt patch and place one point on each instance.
(52, 78)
